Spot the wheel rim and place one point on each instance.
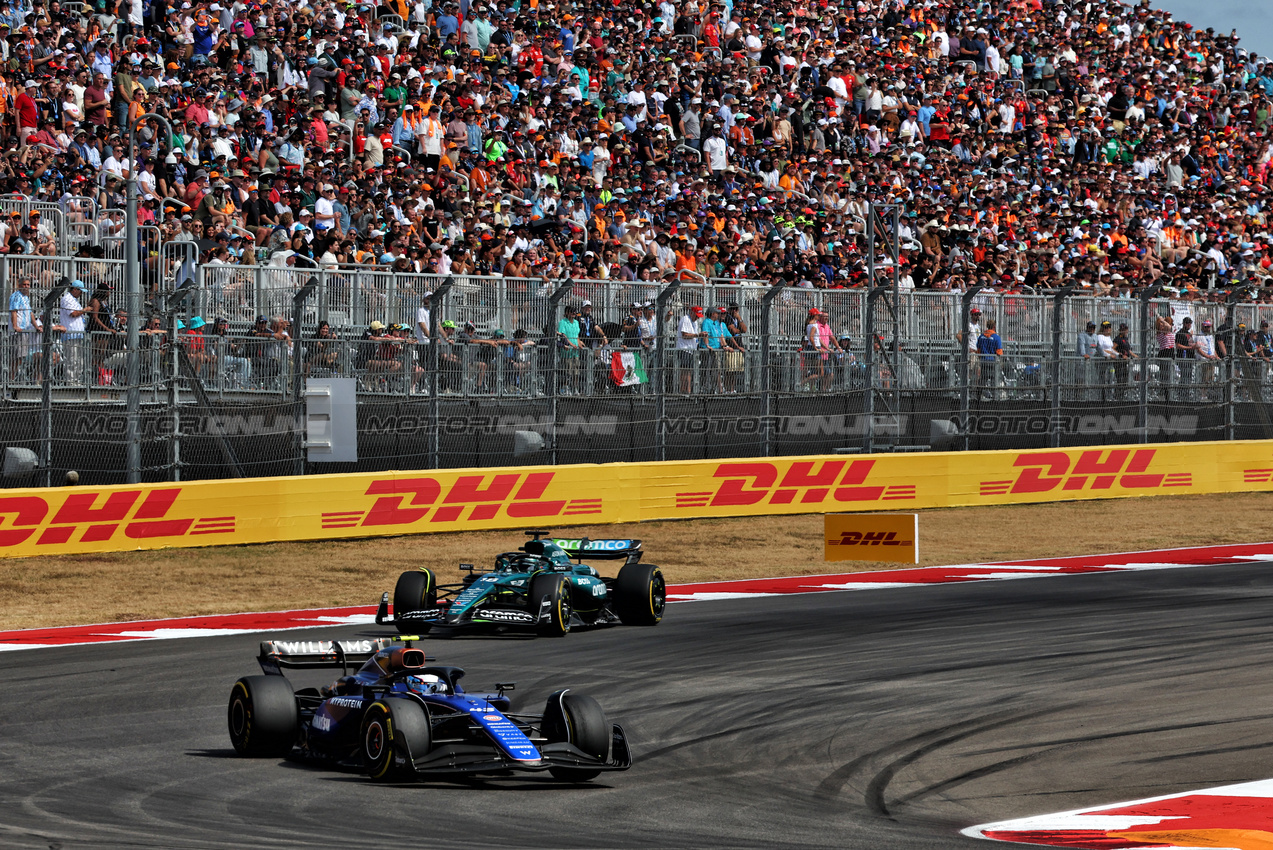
(563, 608)
(374, 741)
(658, 595)
(238, 718)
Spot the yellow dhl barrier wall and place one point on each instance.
(207, 513)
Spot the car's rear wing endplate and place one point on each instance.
(599, 550)
(277, 654)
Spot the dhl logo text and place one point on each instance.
(1097, 469)
(405, 501)
(869, 538)
(92, 517)
(804, 482)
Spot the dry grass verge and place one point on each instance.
(62, 590)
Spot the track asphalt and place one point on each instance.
(850, 720)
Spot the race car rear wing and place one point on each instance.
(303, 654)
(601, 550)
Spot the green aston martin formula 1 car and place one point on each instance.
(543, 587)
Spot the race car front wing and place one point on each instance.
(438, 616)
(480, 758)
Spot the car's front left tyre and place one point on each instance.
(579, 720)
(262, 716)
(394, 733)
(416, 590)
(555, 589)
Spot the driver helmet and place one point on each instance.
(426, 684)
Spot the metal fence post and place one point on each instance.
(46, 380)
(172, 304)
(882, 231)
(660, 391)
(1058, 301)
(766, 372)
(554, 360)
(298, 314)
(965, 313)
(435, 306)
(1142, 405)
(872, 374)
(132, 276)
(1228, 330)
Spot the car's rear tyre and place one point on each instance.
(553, 588)
(262, 716)
(415, 591)
(579, 720)
(394, 733)
(640, 594)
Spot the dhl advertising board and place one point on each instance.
(122, 517)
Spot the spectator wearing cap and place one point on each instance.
(689, 335)
(1087, 346)
(216, 209)
(430, 135)
(720, 346)
(1208, 349)
(1124, 353)
(1266, 339)
(973, 331)
(1186, 350)
(196, 345)
(325, 209)
(26, 112)
(1105, 341)
(229, 352)
(72, 317)
(590, 328)
(569, 348)
(990, 351)
(25, 323)
(648, 326)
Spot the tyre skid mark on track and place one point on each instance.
(911, 749)
(874, 794)
(700, 739)
(1128, 733)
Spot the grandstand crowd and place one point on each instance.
(1031, 143)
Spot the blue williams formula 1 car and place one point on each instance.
(401, 719)
(538, 588)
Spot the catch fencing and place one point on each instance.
(224, 400)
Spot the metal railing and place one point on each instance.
(498, 340)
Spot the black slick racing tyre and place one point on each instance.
(640, 595)
(579, 720)
(552, 587)
(416, 590)
(262, 716)
(395, 732)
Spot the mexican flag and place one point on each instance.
(627, 369)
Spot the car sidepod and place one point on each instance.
(335, 723)
(491, 600)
